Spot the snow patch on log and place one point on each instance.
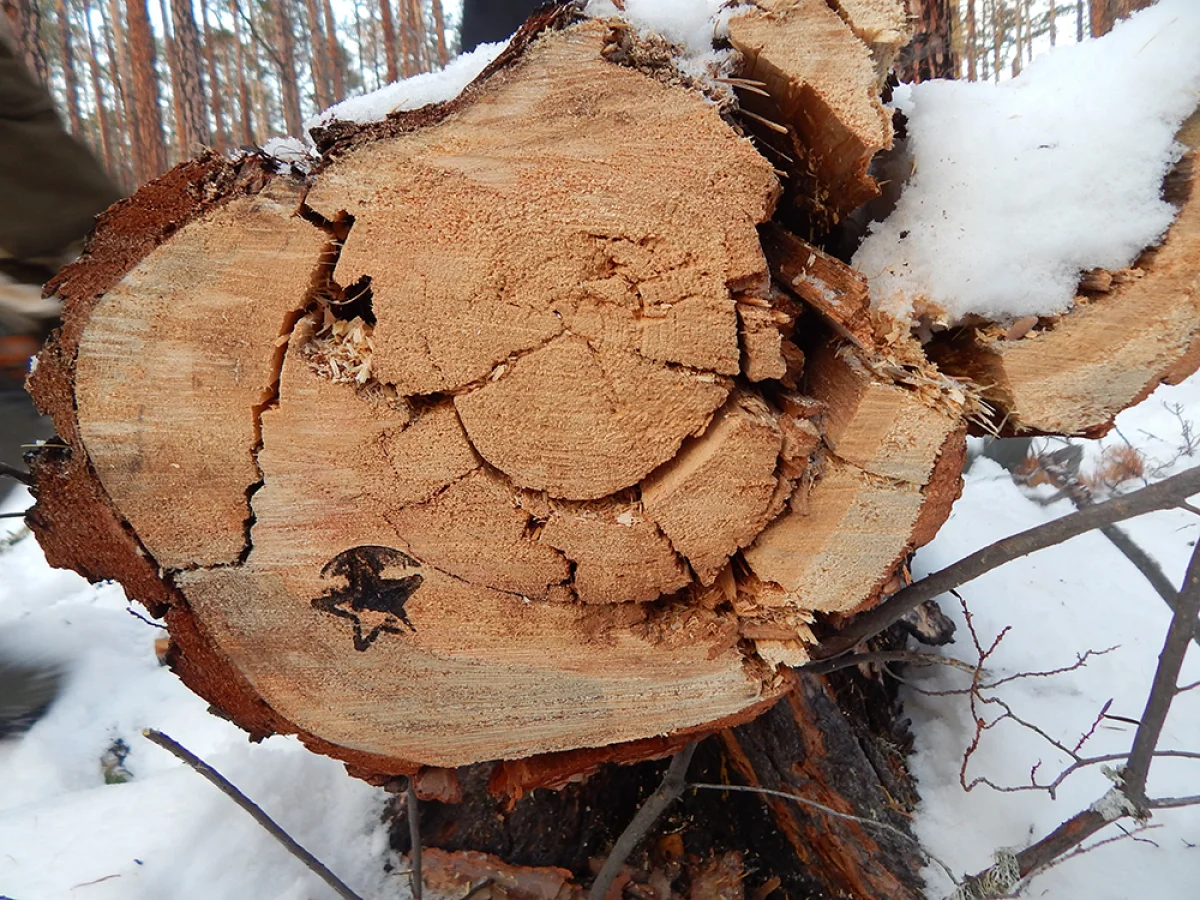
(1019, 187)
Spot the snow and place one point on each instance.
(1020, 186)
(412, 93)
(165, 833)
(1061, 602)
(692, 24)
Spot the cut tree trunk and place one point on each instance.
(524, 439)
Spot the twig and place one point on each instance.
(14, 515)
(16, 474)
(665, 794)
(414, 834)
(172, 746)
(487, 882)
(1166, 679)
(1128, 795)
(1172, 802)
(804, 801)
(1141, 560)
(1163, 495)
(905, 656)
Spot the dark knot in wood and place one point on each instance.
(372, 603)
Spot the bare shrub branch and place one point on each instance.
(269, 825)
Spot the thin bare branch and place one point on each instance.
(910, 657)
(804, 801)
(16, 474)
(1173, 802)
(665, 794)
(414, 833)
(172, 746)
(1163, 495)
(1166, 679)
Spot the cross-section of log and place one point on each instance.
(469, 445)
(1133, 330)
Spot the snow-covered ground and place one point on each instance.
(1079, 596)
(167, 833)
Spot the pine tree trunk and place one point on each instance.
(193, 127)
(320, 61)
(439, 26)
(244, 106)
(150, 156)
(25, 19)
(336, 60)
(102, 112)
(290, 93)
(120, 79)
(388, 26)
(70, 78)
(930, 54)
(221, 135)
(1105, 13)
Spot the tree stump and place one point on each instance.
(526, 436)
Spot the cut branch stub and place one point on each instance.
(486, 440)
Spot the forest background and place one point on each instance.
(147, 83)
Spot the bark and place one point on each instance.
(150, 156)
(25, 18)
(1105, 13)
(193, 126)
(820, 744)
(67, 59)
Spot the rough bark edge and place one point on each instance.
(340, 137)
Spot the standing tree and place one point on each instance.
(193, 127)
(67, 60)
(150, 155)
